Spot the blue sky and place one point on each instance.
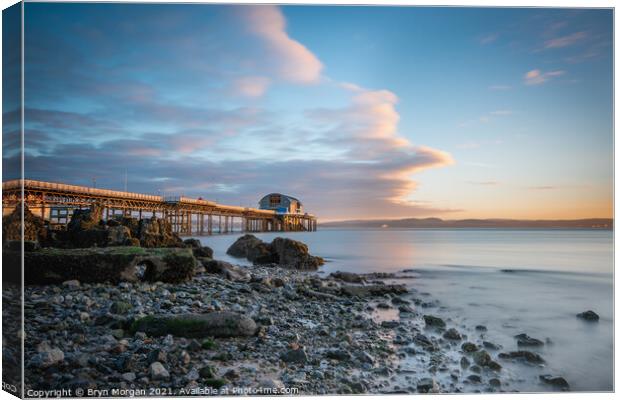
(359, 111)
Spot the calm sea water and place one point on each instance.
(512, 281)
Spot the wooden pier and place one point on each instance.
(55, 203)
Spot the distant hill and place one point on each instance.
(591, 223)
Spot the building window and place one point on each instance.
(274, 200)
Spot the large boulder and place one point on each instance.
(294, 254)
(242, 246)
(86, 219)
(98, 265)
(118, 236)
(34, 226)
(283, 251)
(216, 324)
(157, 232)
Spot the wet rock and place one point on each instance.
(524, 340)
(433, 321)
(474, 378)
(464, 362)
(129, 376)
(292, 253)
(588, 316)
(556, 381)
(226, 270)
(390, 324)
(372, 290)
(348, 277)
(242, 246)
(452, 334)
(523, 355)
(112, 265)
(481, 328)
(469, 347)
(215, 324)
(297, 356)
(495, 382)
(426, 385)
(490, 345)
(494, 365)
(481, 358)
(338, 354)
(158, 372)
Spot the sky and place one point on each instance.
(360, 112)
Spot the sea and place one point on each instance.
(510, 280)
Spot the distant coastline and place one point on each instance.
(589, 223)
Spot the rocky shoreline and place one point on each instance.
(275, 327)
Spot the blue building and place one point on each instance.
(281, 203)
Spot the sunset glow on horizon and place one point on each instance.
(360, 112)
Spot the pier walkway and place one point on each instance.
(55, 203)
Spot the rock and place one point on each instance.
(297, 356)
(34, 227)
(390, 324)
(523, 355)
(432, 321)
(481, 328)
(365, 357)
(525, 340)
(338, 354)
(198, 249)
(232, 374)
(270, 386)
(452, 334)
(99, 265)
(207, 372)
(242, 245)
(464, 362)
(292, 253)
(588, 316)
(226, 270)
(372, 290)
(481, 358)
(129, 376)
(494, 365)
(469, 347)
(215, 324)
(157, 232)
(490, 345)
(157, 355)
(47, 356)
(495, 382)
(474, 378)
(426, 385)
(120, 307)
(158, 372)
(556, 381)
(118, 236)
(348, 277)
(192, 375)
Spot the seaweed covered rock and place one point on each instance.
(111, 264)
(34, 226)
(243, 245)
(157, 232)
(216, 324)
(294, 254)
(283, 251)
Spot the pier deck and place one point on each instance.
(55, 203)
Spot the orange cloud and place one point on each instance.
(537, 77)
(251, 86)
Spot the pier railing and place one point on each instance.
(55, 203)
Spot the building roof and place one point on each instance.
(283, 195)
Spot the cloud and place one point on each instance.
(542, 187)
(565, 41)
(538, 77)
(484, 183)
(251, 86)
(295, 62)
